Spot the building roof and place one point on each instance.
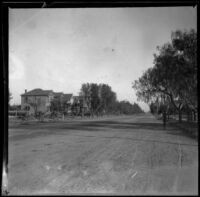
(67, 97)
(40, 92)
(37, 92)
(58, 93)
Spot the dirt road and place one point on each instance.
(112, 155)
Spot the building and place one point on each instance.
(39, 100)
(80, 105)
(65, 100)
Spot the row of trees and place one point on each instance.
(171, 84)
(102, 100)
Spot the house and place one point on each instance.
(80, 105)
(63, 98)
(67, 101)
(36, 100)
(39, 100)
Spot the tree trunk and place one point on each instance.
(180, 116)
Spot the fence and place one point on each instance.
(17, 113)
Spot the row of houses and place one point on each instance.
(38, 100)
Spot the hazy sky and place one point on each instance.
(60, 49)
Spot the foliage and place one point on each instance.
(99, 97)
(126, 107)
(95, 100)
(186, 44)
(107, 98)
(56, 105)
(173, 79)
(102, 100)
(86, 93)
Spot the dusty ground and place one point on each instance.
(112, 155)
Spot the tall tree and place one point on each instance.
(86, 93)
(107, 97)
(186, 45)
(95, 99)
(99, 97)
(173, 72)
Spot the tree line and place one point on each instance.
(102, 100)
(94, 99)
(170, 86)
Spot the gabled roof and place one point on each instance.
(38, 92)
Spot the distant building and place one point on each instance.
(80, 106)
(65, 99)
(39, 100)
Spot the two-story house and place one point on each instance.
(39, 100)
(36, 100)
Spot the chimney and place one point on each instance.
(25, 91)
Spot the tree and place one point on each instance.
(107, 97)
(103, 100)
(86, 93)
(127, 108)
(186, 45)
(153, 108)
(95, 99)
(173, 72)
(56, 105)
(136, 108)
(99, 97)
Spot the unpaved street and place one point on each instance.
(120, 155)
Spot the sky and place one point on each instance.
(60, 49)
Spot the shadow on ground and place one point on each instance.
(184, 129)
(44, 128)
(91, 125)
